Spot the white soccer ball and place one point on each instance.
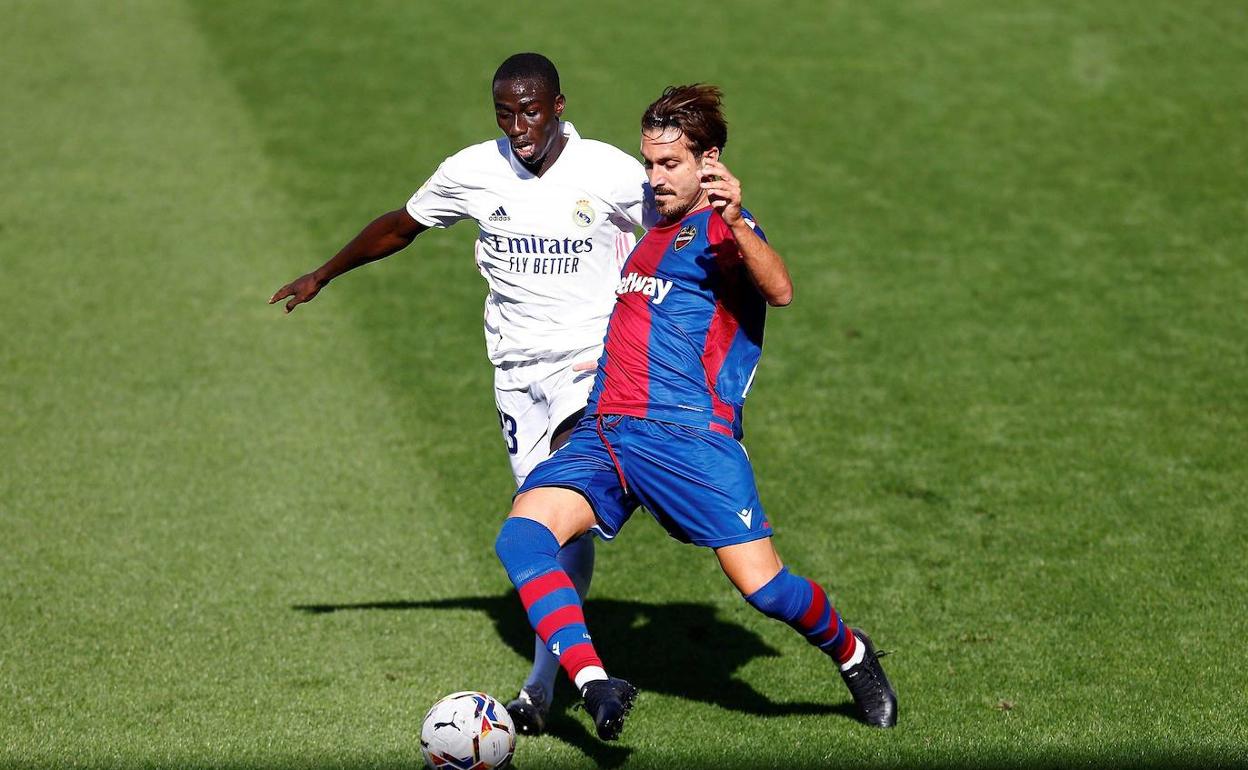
(467, 731)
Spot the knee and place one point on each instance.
(522, 546)
(783, 598)
(505, 543)
(518, 536)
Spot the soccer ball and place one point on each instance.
(467, 731)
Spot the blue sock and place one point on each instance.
(527, 550)
(804, 605)
(577, 559)
(530, 554)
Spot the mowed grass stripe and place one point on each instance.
(957, 423)
(181, 464)
(1001, 420)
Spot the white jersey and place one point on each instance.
(550, 247)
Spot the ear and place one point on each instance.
(712, 153)
(559, 105)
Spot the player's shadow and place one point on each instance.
(681, 649)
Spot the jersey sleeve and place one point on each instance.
(634, 199)
(721, 239)
(440, 201)
(749, 220)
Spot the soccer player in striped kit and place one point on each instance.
(555, 215)
(663, 425)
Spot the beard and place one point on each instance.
(672, 208)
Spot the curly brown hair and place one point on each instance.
(694, 110)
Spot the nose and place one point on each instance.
(514, 128)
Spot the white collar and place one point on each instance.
(565, 128)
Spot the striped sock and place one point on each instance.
(527, 550)
(804, 605)
(577, 559)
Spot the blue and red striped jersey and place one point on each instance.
(686, 332)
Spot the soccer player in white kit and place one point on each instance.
(555, 218)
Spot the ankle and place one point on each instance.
(589, 674)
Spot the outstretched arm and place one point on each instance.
(385, 235)
(766, 267)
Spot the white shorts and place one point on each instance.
(532, 398)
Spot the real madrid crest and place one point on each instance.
(686, 234)
(583, 215)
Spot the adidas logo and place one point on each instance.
(499, 215)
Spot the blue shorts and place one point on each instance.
(699, 485)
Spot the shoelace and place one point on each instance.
(869, 677)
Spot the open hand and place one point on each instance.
(300, 290)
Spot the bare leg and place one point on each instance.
(750, 566)
(564, 512)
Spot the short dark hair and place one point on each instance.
(694, 110)
(529, 65)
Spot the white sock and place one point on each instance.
(589, 674)
(860, 650)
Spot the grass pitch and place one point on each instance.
(1004, 421)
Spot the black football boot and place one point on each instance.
(528, 711)
(608, 702)
(873, 695)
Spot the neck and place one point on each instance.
(548, 160)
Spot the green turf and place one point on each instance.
(1005, 419)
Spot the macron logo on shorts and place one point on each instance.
(746, 515)
(654, 288)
